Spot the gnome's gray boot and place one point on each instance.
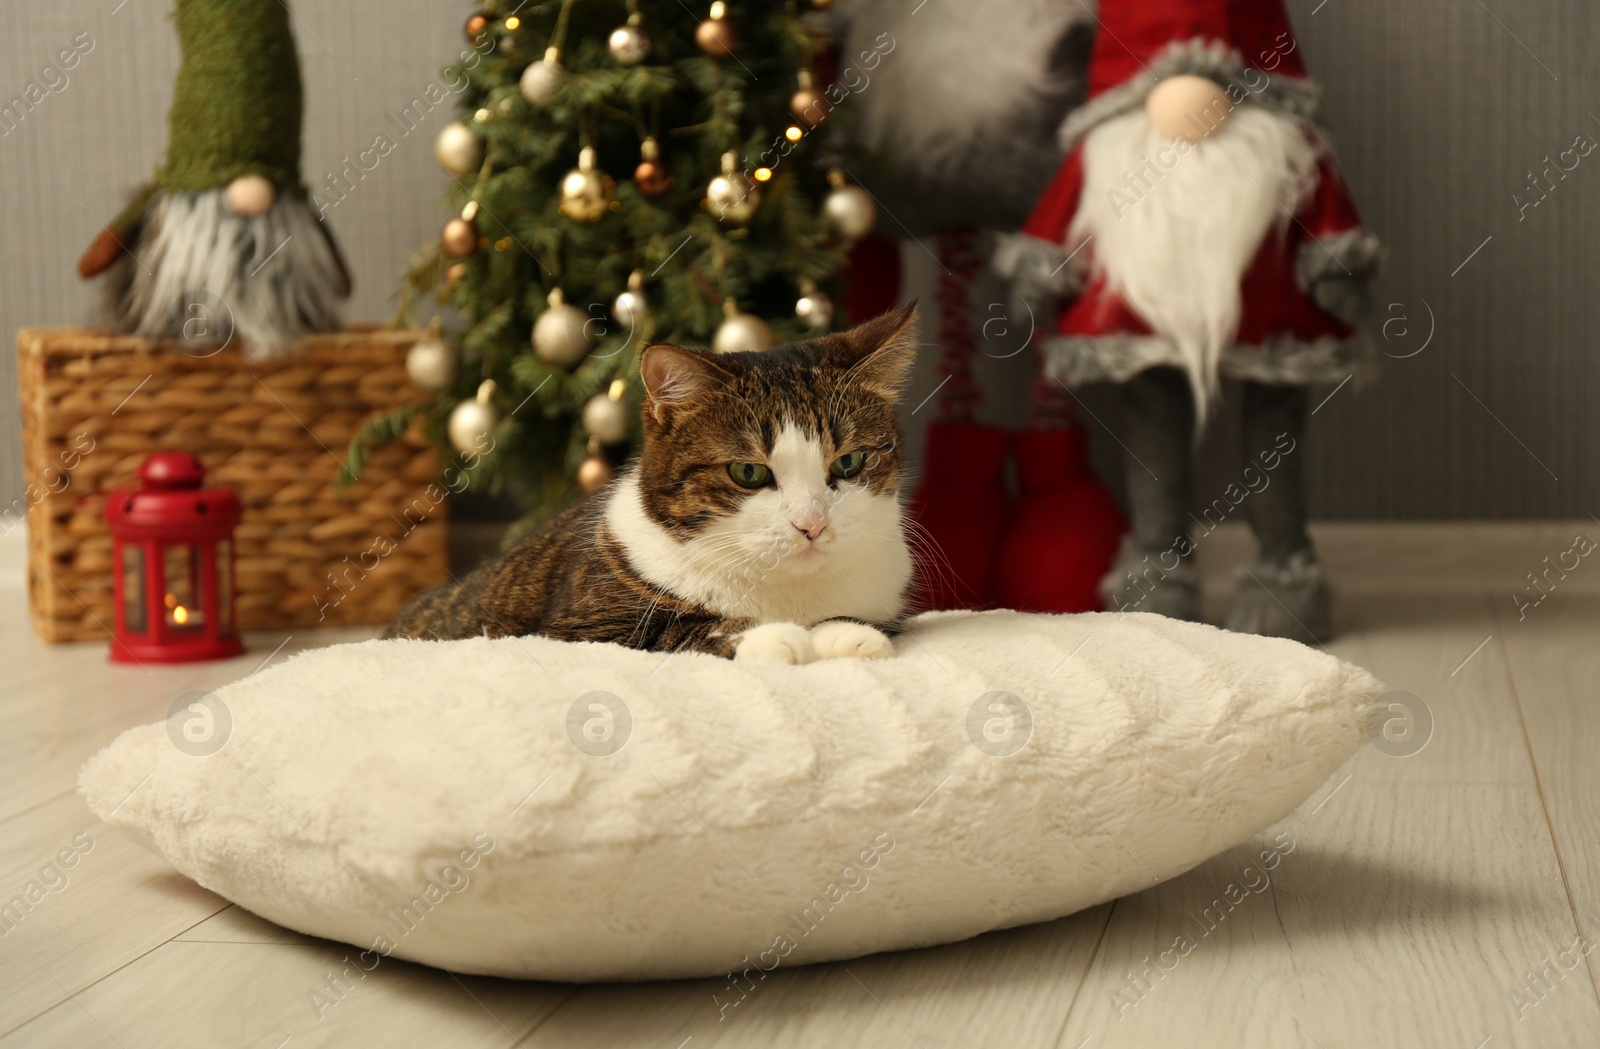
(1155, 570)
(1284, 599)
(1284, 594)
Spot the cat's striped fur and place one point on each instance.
(676, 555)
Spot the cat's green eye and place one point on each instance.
(848, 465)
(750, 475)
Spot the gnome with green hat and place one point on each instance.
(225, 234)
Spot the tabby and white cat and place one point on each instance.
(761, 520)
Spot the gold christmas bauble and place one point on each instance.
(606, 419)
(561, 334)
(716, 36)
(586, 192)
(250, 195)
(460, 237)
(851, 210)
(432, 364)
(541, 80)
(594, 473)
(731, 196)
(1187, 106)
(742, 333)
(472, 423)
(459, 149)
(809, 106)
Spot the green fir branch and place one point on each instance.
(374, 433)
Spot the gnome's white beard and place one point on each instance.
(204, 275)
(1175, 239)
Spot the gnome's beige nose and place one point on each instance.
(1187, 106)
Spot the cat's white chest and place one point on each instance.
(739, 572)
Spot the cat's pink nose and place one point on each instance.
(813, 525)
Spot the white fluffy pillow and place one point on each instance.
(465, 804)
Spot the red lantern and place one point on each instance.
(174, 565)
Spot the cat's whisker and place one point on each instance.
(931, 562)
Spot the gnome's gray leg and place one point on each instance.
(1155, 570)
(1284, 594)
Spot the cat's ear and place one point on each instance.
(675, 378)
(879, 354)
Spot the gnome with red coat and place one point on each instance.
(1197, 229)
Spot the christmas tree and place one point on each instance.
(726, 225)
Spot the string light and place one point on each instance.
(513, 22)
(794, 134)
(762, 174)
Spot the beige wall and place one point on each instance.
(1438, 110)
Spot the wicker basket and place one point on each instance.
(94, 405)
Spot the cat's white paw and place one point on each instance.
(776, 643)
(842, 639)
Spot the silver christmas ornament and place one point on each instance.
(731, 196)
(814, 309)
(472, 423)
(741, 332)
(630, 307)
(606, 417)
(543, 79)
(561, 334)
(459, 149)
(850, 208)
(432, 364)
(629, 45)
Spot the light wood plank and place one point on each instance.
(113, 903)
(204, 995)
(1010, 988)
(234, 924)
(1555, 668)
(1447, 655)
(1403, 915)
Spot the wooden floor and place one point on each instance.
(1429, 900)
